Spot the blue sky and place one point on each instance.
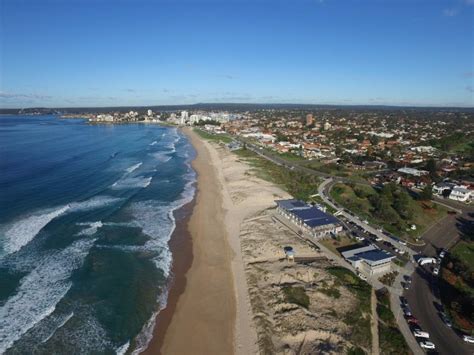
(67, 53)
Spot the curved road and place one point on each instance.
(422, 295)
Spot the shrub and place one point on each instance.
(296, 295)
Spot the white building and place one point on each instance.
(369, 259)
(149, 113)
(412, 171)
(184, 117)
(459, 193)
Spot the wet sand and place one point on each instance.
(202, 306)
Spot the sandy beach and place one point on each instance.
(229, 300)
(204, 317)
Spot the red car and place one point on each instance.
(412, 320)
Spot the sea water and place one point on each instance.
(86, 213)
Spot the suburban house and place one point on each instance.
(460, 193)
(309, 218)
(369, 260)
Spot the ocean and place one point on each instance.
(86, 213)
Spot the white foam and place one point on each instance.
(22, 231)
(133, 167)
(132, 183)
(92, 203)
(39, 292)
(123, 349)
(60, 325)
(154, 143)
(162, 157)
(92, 228)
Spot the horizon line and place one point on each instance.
(242, 103)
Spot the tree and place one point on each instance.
(431, 167)
(426, 194)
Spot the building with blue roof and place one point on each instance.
(309, 218)
(369, 259)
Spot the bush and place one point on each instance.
(385, 314)
(296, 295)
(355, 351)
(392, 341)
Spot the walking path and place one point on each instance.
(375, 324)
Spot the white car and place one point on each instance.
(421, 334)
(427, 345)
(468, 339)
(435, 271)
(362, 277)
(423, 261)
(402, 242)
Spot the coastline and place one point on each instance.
(201, 308)
(180, 245)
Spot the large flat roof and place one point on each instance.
(314, 217)
(375, 256)
(291, 204)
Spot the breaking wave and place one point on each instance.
(39, 292)
(133, 167)
(22, 231)
(132, 183)
(92, 228)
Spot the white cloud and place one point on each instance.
(9, 95)
(450, 12)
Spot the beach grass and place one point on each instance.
(300, 185)
(391, 340)
(218, 138)
(359, 318)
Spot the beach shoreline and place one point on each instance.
(180, 244)
(201, 309)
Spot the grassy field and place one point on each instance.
(299, 185)
(224, 138)
(464, 251)
(358, 198)
(359, 319)
(457, 285)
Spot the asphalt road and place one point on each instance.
(423, 294)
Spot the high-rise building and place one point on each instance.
(184, 117)
(309, 119)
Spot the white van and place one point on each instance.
(423, 261)
(421, 334)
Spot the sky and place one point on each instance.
(69, 53)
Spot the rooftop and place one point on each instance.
(291, 204)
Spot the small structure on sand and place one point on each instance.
(290, 253)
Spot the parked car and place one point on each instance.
(435, 271)
(442, 254)
(427, 345)
(403, 301)
(407, 311)
(421, 334)
(412, 320)
(402, 242)
(427, 260)
(362, 277)
(468, 339)
(405, 285)
(408, 279)
(446, 320)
